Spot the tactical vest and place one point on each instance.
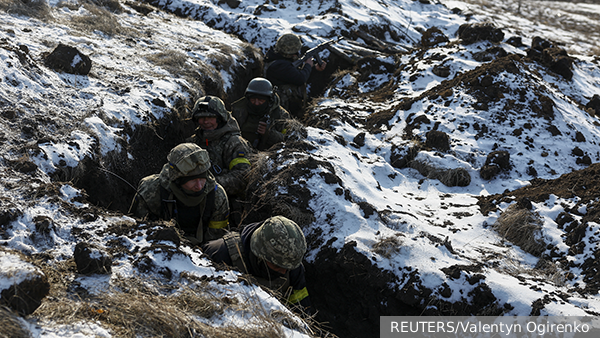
(169, 207)
(288, 94)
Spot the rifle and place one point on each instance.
(267, 120)
(314, 53)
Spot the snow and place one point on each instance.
(96, 110)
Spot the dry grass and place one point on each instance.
(194, 71)
(98, 19)
(138, 308)
(545, 270)
(38, 9)
(264, 186)
(296, 131)
(522, 228)
(10, 325)
(388, 246)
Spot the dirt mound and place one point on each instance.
(480, 84)
(582, 186)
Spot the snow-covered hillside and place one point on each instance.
(446, 164)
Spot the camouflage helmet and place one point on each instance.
(259, 86)
(208, 106)
(288, 44)
(279, 241)
(187, 159)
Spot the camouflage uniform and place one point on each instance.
(227, 150)
(202, 216)
(276, 119)
(277, 240)
(290, 82)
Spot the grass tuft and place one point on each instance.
(388, 246)
(522, 228)
(38, 9)
(138, 307)
(10, 325)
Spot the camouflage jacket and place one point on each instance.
(228, 153)
(234, 250)
(154, 200)
(276, 120)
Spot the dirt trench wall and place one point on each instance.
(110, 181)
(350, 293)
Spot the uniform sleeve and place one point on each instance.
(237, 112)
(234, 180)
(218, 225)
(138, 207)
(299, 294)
(147, 189)
(216, 250)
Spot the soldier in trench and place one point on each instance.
(185, 191)
(271, 252)
(262, 120)
(218, 132)
(290, 82)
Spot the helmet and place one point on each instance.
(208, 106)
(259, 86)
(288, 44)
(187, 159)
(279, 241)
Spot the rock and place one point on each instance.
(471, 33)
(400, 157)
(500, 158)
(487, 172)
(495, 162)
(438, 140)
(554, 58)
(558, 61)
(27, 284)
(231, 3)
(359, 140)
(433, 36)
(68, 59)
(92, 259)
(515, 41)
(490, 54)
(441, 71)
(594, 104)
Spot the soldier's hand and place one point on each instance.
(310, 62)
(262, 128)
(321, 67)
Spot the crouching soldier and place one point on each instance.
(271, 253)
(262, 120)
(186, 192)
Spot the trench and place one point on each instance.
(348, 291)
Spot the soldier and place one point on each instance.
(289, 80)
(186, 192)
(218, 132)
(262, 120)
(271, 252)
